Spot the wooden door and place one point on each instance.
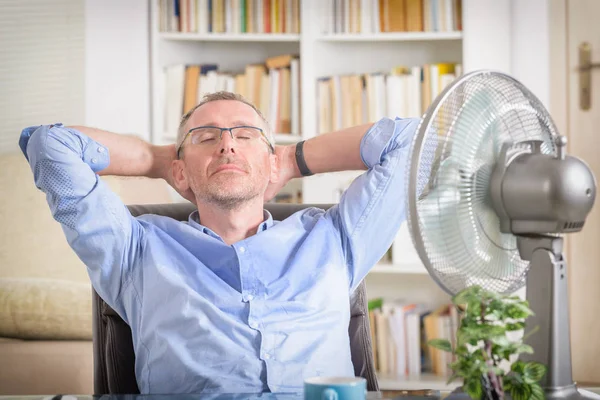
(583, 248)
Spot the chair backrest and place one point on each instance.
(114, 358)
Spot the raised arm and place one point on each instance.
(98, 227)
(372, 209)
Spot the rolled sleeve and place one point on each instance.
(378, 140)
(36, 147)
(97, 225)
(96, 156)
(372, 209)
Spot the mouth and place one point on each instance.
(229, 168)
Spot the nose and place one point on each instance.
(226, 144)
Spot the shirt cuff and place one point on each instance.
(91, 152)
(385, 135)
(95, 155)
(24, 139)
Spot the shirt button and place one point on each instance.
(253, 324)
(242, 249)
(94, 160)
(249, 297)
(100, 149)
(266, 356)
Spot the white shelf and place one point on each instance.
(408, 268)
(391, 37)
(231, 37)
(483, 43)
(421, 382)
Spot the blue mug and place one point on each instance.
(335, 388)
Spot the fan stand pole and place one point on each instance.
(548, 298)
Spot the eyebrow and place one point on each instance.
(235, 123)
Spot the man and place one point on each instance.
(230, 301)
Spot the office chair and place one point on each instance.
(114, 358)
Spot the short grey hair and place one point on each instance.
(216, 96)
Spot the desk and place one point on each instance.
(222, 396)
(235, 396)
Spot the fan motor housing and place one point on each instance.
(542, 193)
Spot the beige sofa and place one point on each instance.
(45, 367)
(45, 294)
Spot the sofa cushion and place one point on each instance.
(46, 367)
(37, 308)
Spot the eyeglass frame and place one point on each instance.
(262, 132)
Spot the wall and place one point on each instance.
(530, 46)
(489, 46)
(117, 66)
(42, 50)
(117, 99)
(516, 41)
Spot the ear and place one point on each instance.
(179, 176)
(275, 175)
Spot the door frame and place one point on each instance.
(558, 64)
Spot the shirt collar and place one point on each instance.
(194, 220)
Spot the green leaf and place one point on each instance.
(474, 334)
(518, 367)
(531, 332)
(533, 371)
(441, 344)
(537, 393)
(466, 295)
(516, 326)
(524, 348)
(501, 341)
(474, 307)
(496, 309)
(521, 392)
(493, 331)
(473, 387)
(461, 351)
(518, 311)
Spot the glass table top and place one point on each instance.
(399, 395)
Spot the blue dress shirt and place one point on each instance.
(260, 315)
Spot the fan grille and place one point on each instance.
(454, 228)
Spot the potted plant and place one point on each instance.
(486, 359)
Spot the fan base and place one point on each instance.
(571, 392)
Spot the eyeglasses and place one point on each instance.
(210, 136)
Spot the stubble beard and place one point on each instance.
(228, 190)
(229, 193)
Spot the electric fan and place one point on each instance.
(490, 190)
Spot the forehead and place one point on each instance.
(224, 113)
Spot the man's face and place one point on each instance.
(227, 173)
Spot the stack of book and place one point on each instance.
(355, 99)
(229, 16)
(273, 87)
(400, 332)
(377, 16)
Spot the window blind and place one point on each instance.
(42, 77)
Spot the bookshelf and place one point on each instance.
(231, 37)
(390, 37)
(328, 45)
